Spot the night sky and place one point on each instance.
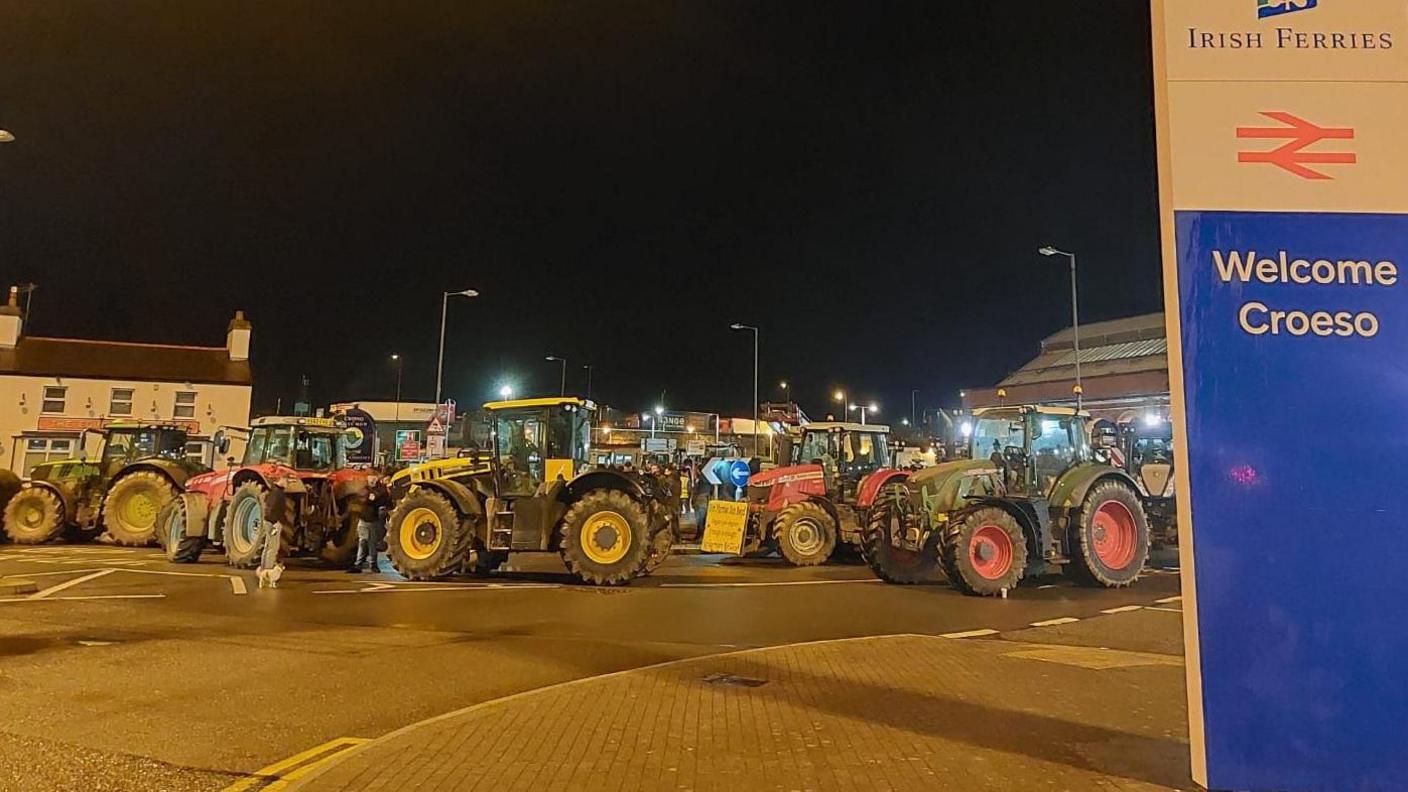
(621, 181)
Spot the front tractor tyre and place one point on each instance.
(244, 519)
(985, 552)
(425, 537)
(33, 516)
(340, 548)
(660, 546)
(171, 533)
(606, 538)
(1111, 541)
(886, 532)
(805, 534)
(132, 505)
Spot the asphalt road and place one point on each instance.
(125, 672)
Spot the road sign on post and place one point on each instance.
(1285, 230)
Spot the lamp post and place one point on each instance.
(737, 326)
(397, 360)
(1047, 250)
(444, 310)
(913, 396)
(873, 408)
(562, 387)
(588, 367)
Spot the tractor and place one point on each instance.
(1031, 498)
(304, 456)
(530, 491)
(1146, 451)
(139, 468)
(815, 506)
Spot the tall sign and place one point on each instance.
(1283, 183)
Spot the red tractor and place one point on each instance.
(304, 457)
(815, 506)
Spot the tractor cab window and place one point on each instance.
(315, 451)
(520, 443)
(119, 447)
(819, 448)
(865, 452)
(1153, 451)
(268, 444)
(1054, 444)
(997, 436)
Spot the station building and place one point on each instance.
(1123, 366)
(52, 389)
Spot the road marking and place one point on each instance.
(278, 775)
(1165, 610)
(968, 634)
(767, 583)
(46, 593)
(1123, 609)
(388, 588)
(42, 574)
(236, 582)
(1167, 600)
(89, 597)
(1054, 622)
(95, 643)
(237, 585)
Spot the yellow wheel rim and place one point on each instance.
(606, 536)
(139, 510)
(420, 534)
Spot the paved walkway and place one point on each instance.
(895, 713)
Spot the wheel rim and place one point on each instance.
(420, 534)
(249, 515)
(33, 513)
(805, 536)
(139, 510)
(990, 552)
(1114, 535)
(606, 536)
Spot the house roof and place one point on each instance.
(1131, 345)
(119, 360)
(1143, 327)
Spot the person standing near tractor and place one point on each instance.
(371, 526)
(271, 538)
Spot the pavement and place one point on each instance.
(121, 671)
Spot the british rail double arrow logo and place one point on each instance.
(1299, 134)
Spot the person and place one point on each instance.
(371, 526)
(271, 538)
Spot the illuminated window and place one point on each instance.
(185, 406)
(55, 399)
(121, 401)
(45, 449)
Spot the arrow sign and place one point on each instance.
(1300, 133)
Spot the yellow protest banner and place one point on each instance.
(724, 527)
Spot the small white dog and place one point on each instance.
(269, 578)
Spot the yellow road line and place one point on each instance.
(278, 775)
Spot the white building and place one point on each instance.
(52, 389)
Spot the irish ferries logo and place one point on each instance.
(1271, 8)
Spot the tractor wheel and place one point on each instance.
(33, 516)
(605, 538)
(425, 537)
(340, 549)
(892, 511)
(1111, 541)
(244, 519)
(805, 534)
(132, 505)
(171, 533)
(987, 552)
(660, 545)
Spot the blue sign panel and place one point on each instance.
(738, 473)
(1295, 352)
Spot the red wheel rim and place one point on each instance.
(1114, 535)
(990, 552)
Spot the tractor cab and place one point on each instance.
(847, 453)
(311, 445)
(125, 443)
(538, 441)
(1031, 446)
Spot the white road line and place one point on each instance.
(968, 634)
(1165, 610)
(236, 582)
(387, 588)
(1123, 609)
(1054, 622)
(46, 593)
(89, 597)
(1167, 600)
(237, 585)
(95, 643)
(767, 583)
(28, 575)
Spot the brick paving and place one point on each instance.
(887, 713)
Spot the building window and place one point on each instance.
(121, 401)
(44, 449)
(196, 452)
(185, 405)
(55, 397)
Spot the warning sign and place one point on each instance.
(724, 527)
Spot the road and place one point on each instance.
(125, 672)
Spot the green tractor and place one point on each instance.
(1031, 499)
(139, 468)
(530, 492)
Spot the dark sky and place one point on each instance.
(867, 183)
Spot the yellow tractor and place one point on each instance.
(530, 491)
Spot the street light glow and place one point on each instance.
(395, 357)
(874, 408)
(6, 137)
(659, 410)
(838, 396)
(506, 391)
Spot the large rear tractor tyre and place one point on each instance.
(888, 519)
(244, 518)
(425, 536)
(171, 533)
(986, 551)
(805, 534)
(1111, 541)
(132, 505)
(340, 549)
(33, 516)
(606, 538)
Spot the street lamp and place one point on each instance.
(444, 309)
(562, 388)
(506, 391)
(737, 326)
(6, 137)
(588, 367)
(397, 360)
(913, 395)
(783, 386)
(1047, 250)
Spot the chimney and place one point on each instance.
(236, 339)
(10, 321)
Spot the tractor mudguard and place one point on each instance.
(178, 473)
(601, 479)
(951, 485)
(1070, 490)
(871, 485)
(459, 494)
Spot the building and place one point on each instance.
(52, 389)
(1124, 371)
(401, 434)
